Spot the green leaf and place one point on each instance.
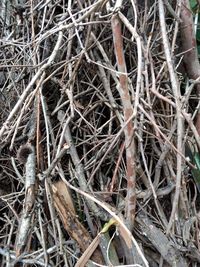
(198, 48)
(198, 35)
(193, 4)
(111, 222)
(195, 160)
(196, 172)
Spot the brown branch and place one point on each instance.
(129, 129)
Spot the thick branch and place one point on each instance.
(129, 129)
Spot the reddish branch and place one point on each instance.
(129, 129)
(189, 45)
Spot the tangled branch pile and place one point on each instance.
(99, 124)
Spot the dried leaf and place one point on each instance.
(88, 253)
(64, 194)
(125, 236)
(72, 225)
